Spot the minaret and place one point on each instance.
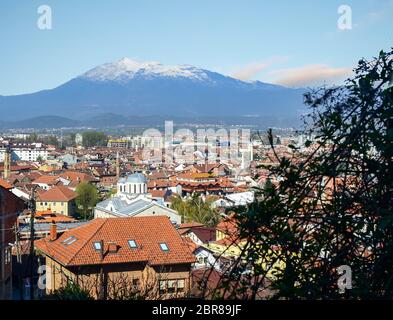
(117, 166)
(206, 158)
(7, 162)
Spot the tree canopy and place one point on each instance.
(330, 207)
(196, 209)
(94, 139)
(87, 198)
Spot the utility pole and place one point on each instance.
(32, 255)
(19, 260)
(117, 166)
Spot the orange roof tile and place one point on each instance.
(46, 179)
(77, 176)
(191, 244)
(147, 232)
(5, 184)
(49, 216)
(58, 193)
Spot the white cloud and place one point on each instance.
(310, 75)
(249, 71)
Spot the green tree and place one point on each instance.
(87, 198)
(33, 137)
(195, 209)
(72, 138)
(94, 139)
(52, 140)
(331, 207)
(71, 291)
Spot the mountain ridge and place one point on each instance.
(131, 88)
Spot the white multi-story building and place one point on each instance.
(26, 152)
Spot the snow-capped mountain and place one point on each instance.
(139, 89)
(126, 69)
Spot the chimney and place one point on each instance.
(53, 231)
(112, 247)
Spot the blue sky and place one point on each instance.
(293, 43)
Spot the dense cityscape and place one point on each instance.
(196, 158)
(100, 176)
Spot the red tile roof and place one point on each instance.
(49, 216)
(191, 244)
(228, 226)
(205, 234)
(158, 193)
(46, 179)
(191, 225)
(147, 232)
(58, 193)
(5, 184)
(76, 176)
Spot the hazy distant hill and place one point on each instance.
(132, 89)
(41, 122)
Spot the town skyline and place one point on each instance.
(186, 151)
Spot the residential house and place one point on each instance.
(46, 182)
(205, 257)
(146, 255)
(59, 199)
(197, 232)
(106, 177)
(69, 159)
(235, 200)
(72, 179)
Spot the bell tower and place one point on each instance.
(7, 162)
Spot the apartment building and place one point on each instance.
(25, 152)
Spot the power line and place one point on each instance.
(32, 255)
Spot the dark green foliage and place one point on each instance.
(333, 208)
(94, 139)
(195, 209)
(87, 198)
(70, 292)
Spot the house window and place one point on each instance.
(135, 283)
(202, 260)
(132, 244)
(162, 285)
(97, 245)
(172, 286)
(180, 285)
(8, 256)
(164, 246)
